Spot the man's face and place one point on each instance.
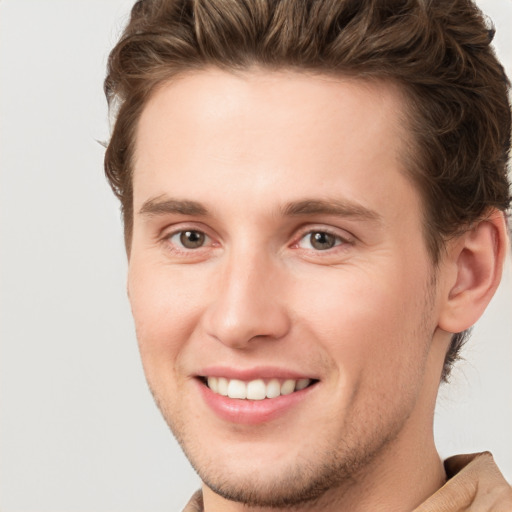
(278, 244)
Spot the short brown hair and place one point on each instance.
(438, 51)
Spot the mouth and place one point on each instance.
(256, 389)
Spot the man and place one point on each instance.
(313, 197)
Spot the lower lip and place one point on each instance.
(251, 412)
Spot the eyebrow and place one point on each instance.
(337, 207)
(162, 206)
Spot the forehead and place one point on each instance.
(270, 134)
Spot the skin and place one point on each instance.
(362, 317)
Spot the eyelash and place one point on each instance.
(340, 241)
(176, 246)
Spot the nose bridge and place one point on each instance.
(247, 303)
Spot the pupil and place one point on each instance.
(192, 239)
(322, 241)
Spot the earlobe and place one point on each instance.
(476, 261)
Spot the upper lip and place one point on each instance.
(257, 372)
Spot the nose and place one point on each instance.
(248, 303)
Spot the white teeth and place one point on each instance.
(301, 384)
(255, 389)
(273, 388)
(288, 387)
(237, 389)
(222, 384)
(213, 384)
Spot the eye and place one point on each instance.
(319, 241)
(189, 239)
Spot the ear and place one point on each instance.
(474, 264)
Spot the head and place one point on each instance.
(412, 90)
(438, 53)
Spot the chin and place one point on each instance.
(274, 487)
(262, 474)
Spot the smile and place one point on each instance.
(257, 389)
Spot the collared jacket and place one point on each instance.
(474, 484)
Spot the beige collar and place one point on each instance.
(475, 484)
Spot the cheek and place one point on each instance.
(165, 307)
(365, 321)
(372, 335)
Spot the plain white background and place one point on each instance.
(79, 431)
